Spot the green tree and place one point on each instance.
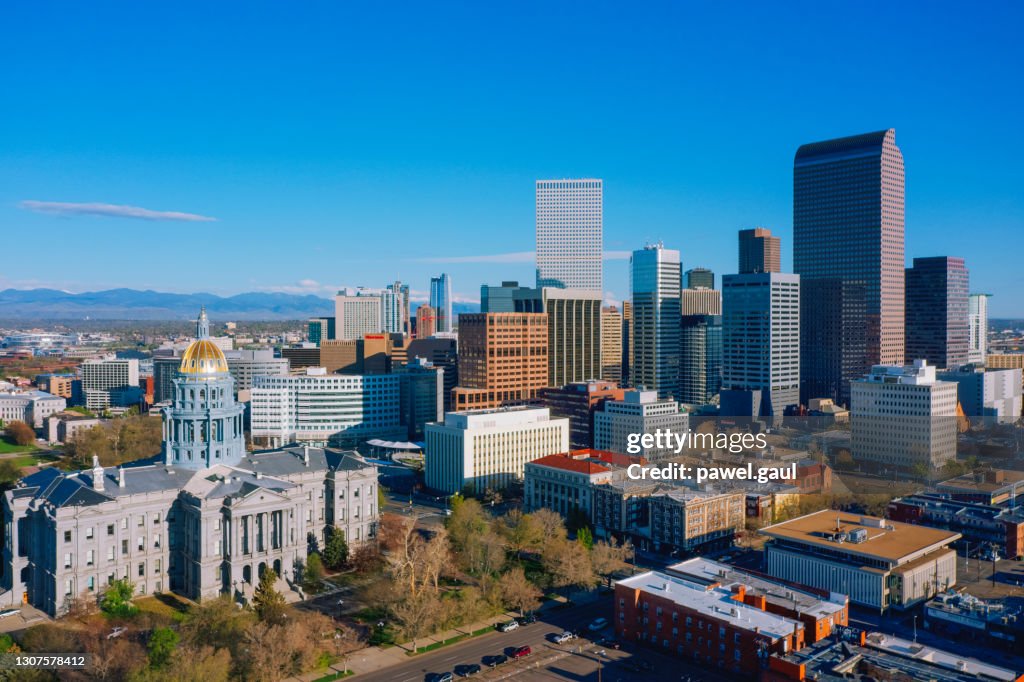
(267, 601)
(335, 550)
(19, 433)
(162, 644)
(116, 600)
(9, 472)
(313, 573)
(585, 537)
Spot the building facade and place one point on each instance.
(320, 408)
(977, 327)
(991, 396)
(358, 312)
(699, 278)
(503, 359)
(904, 417)
(700, 301)
(688, 520)
(760, 344)
(848, 229)
(245, 365)
(564, 482)
(570, 234)
(759, 251)
(488, 449)
(637, 412)
(426, 322)
(937, 312)
(578, 402)
(700, 364)
(441, 302)
(105, 381)
(202, 519)
(611, 344)
(421, 396)
(655, 286)
(880, 564)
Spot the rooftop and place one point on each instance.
(988, 481)
(864, 536)
(801, 600)
(589, 461)
(715, 601)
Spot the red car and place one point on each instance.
(522, 652)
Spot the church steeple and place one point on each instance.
(203, 325)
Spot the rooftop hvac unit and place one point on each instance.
(858, 535)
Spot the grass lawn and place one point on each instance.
(165, 605)
(7, 447)
(451, 640)
(334, 676)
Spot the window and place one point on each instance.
(67, 536)
(216, 524)
(92, 584)
(142, 569)
(142, 520)
(88, 533)
(142, 543)
(156, 541)
(156, 519)
(217, 548)
(67, 560)
(124, 546)
(67, 587)
(156, 567)
(124, 524)
(110, 529)
(110, 553)
(89, 558)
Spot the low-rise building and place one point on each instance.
(488, 449)
(879, 563)
(963, 615)
(565, 482)
(990, 486)
(819, 610)
(982, 526)
(63, 426)
(578, 402)
(686, 519)
(988, 396)
(709, 624)
(31, 407)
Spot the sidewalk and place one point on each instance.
(375, 658)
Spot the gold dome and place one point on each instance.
(203, 357)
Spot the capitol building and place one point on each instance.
(201, 519)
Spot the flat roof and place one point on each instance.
(990, 481)
(887, 540)
(717, 602)
(775, 592)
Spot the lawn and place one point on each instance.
(164, 605)
(7, 447)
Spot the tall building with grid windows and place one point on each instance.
(570, 231)
(937, 311)
(654, 279)
(977, 327)
(441, 302)
(848, 234)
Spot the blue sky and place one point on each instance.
(352, 144)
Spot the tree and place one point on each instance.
(336, 550)
(19, 433)
(467, 521)
(116, 600)
(191, 663)
(608, 559)
(517, 592)
(417, 615)
(521, 531)
(568, 564)
(585, 537)
(9, 472)
(313, 573)
(267, 601)
(550, 524)
(217, 623)
(162, 643)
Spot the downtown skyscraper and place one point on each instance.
(654, 280)
(441, 302)
(848, 234)
(937, 312)
(570, 241)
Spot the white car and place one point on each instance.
(564, 637)
(116, 632)
(9, 612)
(599, 624)
(508, 627)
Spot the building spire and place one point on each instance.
(203, 325)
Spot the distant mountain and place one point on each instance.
(132, 304)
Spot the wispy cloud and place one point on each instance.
(512, 257)
(110, 211)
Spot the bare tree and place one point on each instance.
(417, 615)
(517, 592)
(608, 559)
(550, 524)
(568, 564)
(521, 531)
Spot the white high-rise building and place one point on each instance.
(111, 381)
(570, 234)
(977, 324)
(637, 412)
(903, 417)
(760, 344)
(358, 312)
(654, 281)
(320, 408)
(484, 449)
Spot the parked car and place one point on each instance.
(495, 661)
(467, 670)
(507, 627)
(439, 677)
(562, 638)
(9, 612)
(522, 652)
(116, 632)
(527, 619)
(597, 625)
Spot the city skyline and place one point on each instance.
(282, 147)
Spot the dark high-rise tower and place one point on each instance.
(848, 250)
(699, 278)
(759, 251)
(937, 291)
